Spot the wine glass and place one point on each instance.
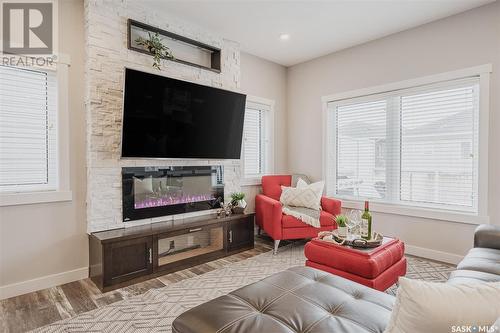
(354, 222)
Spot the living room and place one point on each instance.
(312, 166)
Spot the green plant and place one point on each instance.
(237, 196)
(342, 220)
(155, 46)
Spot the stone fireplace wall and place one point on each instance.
(107, 56)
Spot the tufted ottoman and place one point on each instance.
(378, 268)
(300, 299)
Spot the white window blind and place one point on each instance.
(416, 147)
(438, 147)
(27, 130)
(361, 136)
(256, 140)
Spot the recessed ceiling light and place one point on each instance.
(284, 36)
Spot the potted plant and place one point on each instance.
(342, 221)
(238, 202)
(155, 46)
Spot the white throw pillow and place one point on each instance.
(308, 196)
(301, 183)
(438, 307)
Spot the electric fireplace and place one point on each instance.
(149, 192)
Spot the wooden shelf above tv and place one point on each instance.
(189, 51)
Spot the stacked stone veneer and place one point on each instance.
(107, 56)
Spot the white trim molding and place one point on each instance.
(49, 281)
(422, 252)
(412, 83)
(268, 105)
(428, 213)
(481, 72)
(28, 198)
(63, 191)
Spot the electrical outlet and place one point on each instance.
(190, 240)
(172, 244)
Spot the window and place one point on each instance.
(361, 136)
(414, 146)
(257, 140)
(28, 116)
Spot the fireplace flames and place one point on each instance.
(171, 200)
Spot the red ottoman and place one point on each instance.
(378, 268)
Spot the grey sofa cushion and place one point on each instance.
(497, 325)
(482, 263)
(300, 299)
(466, 276)
(481, 260)
(487, 236)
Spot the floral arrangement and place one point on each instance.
(156, 47)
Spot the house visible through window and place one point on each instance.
(416, 147)
(28, 149)
(256, 152)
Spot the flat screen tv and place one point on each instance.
(169, 118)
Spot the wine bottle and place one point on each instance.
(366, 223)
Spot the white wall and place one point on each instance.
(40, 240)
(262, 78)
(465, 40)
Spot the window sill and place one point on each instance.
(28, 198)
(257, 181)
(426, 213)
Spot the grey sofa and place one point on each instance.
(482, 263)
(303, 299)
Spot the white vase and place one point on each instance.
(342, 231)
(240, 206)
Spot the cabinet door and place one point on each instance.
(240, 234)
(125, 260)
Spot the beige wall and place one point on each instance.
(44, 239)
(262, 78)
(468, 39)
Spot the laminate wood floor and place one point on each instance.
(37, 309)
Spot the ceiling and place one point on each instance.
(316, 28)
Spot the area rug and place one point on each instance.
(155, 310)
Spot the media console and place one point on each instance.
(124, 256)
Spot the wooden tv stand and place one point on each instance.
(124, 256)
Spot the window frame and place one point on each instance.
(266, 105)
(62, 191)
(329, 145)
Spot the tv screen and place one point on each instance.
(169, 118)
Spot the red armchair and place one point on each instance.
(268, 214)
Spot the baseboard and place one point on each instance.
(450, 258)
(24, 287)
(53, 280)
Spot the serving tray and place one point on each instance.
(351, 240)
